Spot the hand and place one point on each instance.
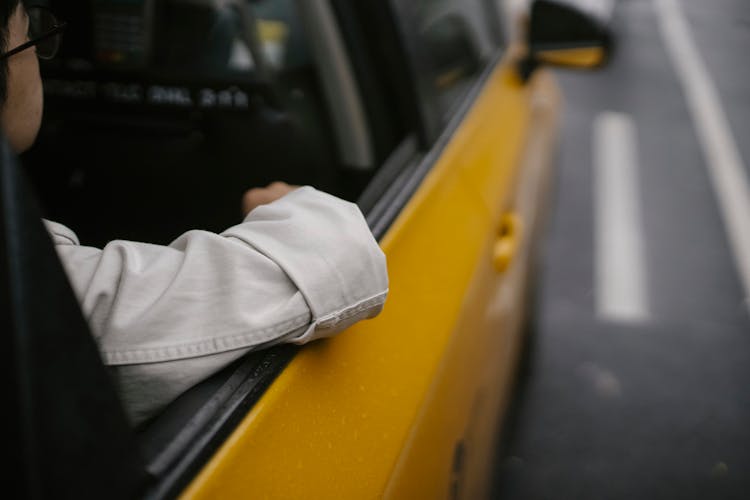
(255, 197)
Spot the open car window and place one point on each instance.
(161, 113)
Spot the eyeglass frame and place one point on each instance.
(56, 30)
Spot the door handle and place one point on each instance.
(508, 242)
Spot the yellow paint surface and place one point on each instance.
(588, 57)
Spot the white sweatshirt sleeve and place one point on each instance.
(166, 317)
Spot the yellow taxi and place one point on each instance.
(161, 113)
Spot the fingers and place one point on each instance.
(255, 197)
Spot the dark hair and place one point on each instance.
(7, 8)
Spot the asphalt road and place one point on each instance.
(654, 405)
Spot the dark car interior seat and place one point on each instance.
(66, 432)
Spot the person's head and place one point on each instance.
(21, 97)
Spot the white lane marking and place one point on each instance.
(621, 288)
(726, 170)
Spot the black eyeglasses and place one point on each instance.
(45, 31)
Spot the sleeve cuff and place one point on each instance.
(325, 247)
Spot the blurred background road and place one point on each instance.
(638, 384)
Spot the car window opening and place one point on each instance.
(161, 113)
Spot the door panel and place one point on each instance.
(505, 163)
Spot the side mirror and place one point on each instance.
(571, 33)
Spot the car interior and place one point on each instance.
(160, 114)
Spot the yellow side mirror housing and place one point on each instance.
(585, 57)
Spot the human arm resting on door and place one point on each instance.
(303, 267)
